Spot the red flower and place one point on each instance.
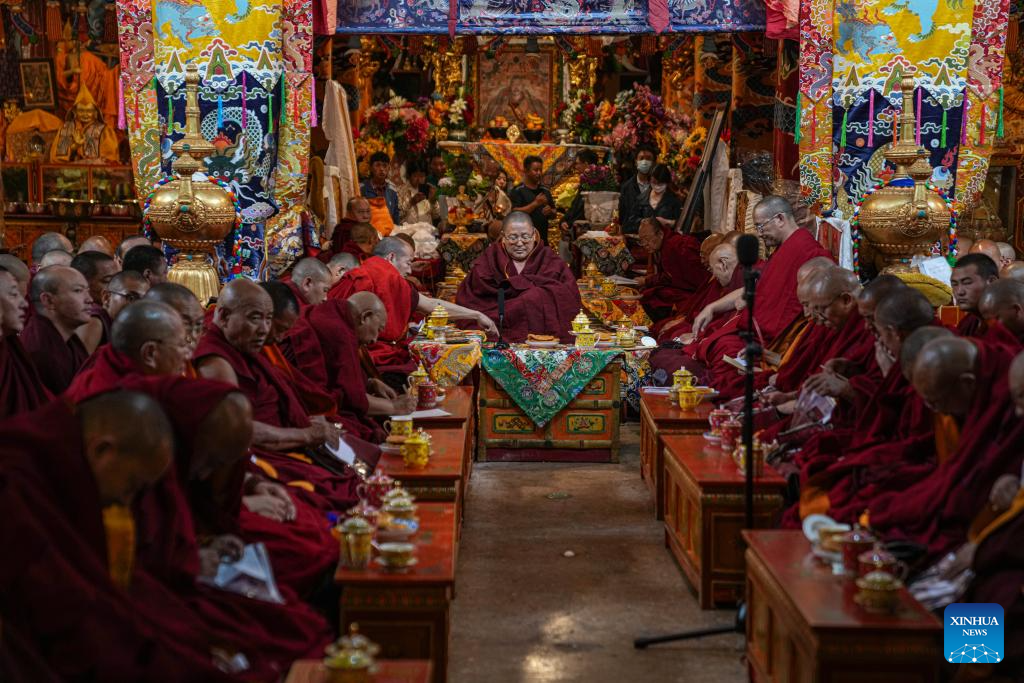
(579, 118)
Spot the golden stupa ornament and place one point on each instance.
(905, 217)
(191, 211)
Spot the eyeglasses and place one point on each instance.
(194, 330)
(822, 309)
(518, 238)
(132, 297)
(760, 226)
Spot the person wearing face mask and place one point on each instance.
(662, 202)
(635, 192)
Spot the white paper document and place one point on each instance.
(937, 267)
(625, 281)
(433, 412)
(251, 575)
(342, 452)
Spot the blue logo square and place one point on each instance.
(973, 633)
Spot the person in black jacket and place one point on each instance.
(662, 201)
(635, 191)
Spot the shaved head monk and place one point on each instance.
(384, 274)
(124, 288)
(541, 294)
(97, 243)
(62, 304)
(1014, 269)
(47, 242)
(149, 261)
(56, 257)
(988, 248)
(129, 243)
(310, 280)
(57, 560)
(971, 275)
(967, 380)
(1007, 254)
(356, 211)
(723, 262)
(1003, 301)
(362, 238)
(718, 257)
(673, 268)
(964, 245)
(21, 389)
(18, 270)
(98, 270)
(341, 264)
(185, 303)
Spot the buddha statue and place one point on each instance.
(84, 137)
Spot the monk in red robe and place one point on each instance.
(674, 270)
(326, 342)
(69, 588)
(971, 275)
(1003, 302)
(310, 280)
(541, 294)
(384, 274)
(357, 211)
(339, 264)
(98, 270)
(777, 307)
(966, 379)
(185, 304)
(361, 241)
(18, 270)
(21, 389)
(62, 305)
(892, 441)
(679, 321)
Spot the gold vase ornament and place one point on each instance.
(904, 219)
(191, 212)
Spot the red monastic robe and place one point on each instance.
(937, 511)
(675, 272)
(971, 325)
(391, 351)
(57, 591)
(56, 360)
(21, 389)
(542, 299)
(805, 357)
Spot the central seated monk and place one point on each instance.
(674, 269)
(541, 294)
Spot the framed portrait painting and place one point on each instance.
(38, 89)
(515, 84)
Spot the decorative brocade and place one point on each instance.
(447, 364)
(610, 311)
(558, 159)
(609, 254)
(462, 250)
(543, 381)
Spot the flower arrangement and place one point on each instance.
(460, 173)
(639, 117)
(456, 112)
(596, 178)
(397, 123)
(579, 116)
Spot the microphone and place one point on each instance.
(748, 248)
(502, 288)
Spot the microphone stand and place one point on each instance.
(752, 353)
(501, 343)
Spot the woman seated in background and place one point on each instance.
(415, 196)
(663, 202)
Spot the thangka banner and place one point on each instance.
(546, 17)
(853, 55)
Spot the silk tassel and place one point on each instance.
(871, 119)
(945, 127)
(313, 121)
(170, 112)
(999, 115)
(284, 101)
(220, 112)
(814, 124)
(842, 133)
(963, 123)
(245, 105)
(796, 126)
(917, 119)
(270, 111)
(981, 127)
(54, 22)
(122, 124)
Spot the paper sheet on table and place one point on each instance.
(251, 575)
(595, 234)
(655, 390)
(620, 280)
(937, 267)
(433, 412)
(342, 452)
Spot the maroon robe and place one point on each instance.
(326, 349)
(806, 358)
(56, 588)
(776, 309)
(21, 389)
(106, 323)
(390, 353)
(937, 510)
(675, 272)
(340, 236)
(55, 359)
(542, 299)
(971, 325)
(681, 321)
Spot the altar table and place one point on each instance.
(408, 614)
(558, 159)
(388, 671)
(803, 625)
(704, 515)
(659, 418)
(583, 428)
(610, 253)
(445, 477)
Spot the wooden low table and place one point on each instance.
(407, 613)
(658, 418)
(704, 515)
(461, 403)
(388, 671)
(803, 625)
(585, 430)
(444, 477)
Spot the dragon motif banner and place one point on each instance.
(545, 17)
(854, 53)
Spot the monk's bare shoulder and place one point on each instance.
(215, 367)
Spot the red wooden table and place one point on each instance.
(443, 479)
(407, 613)
(388, 671)
(461, 403)
(659, 417)
(704, 515)
(803, 624)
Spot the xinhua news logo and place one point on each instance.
(973, 633)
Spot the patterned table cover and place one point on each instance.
(611, 311)
(610, 254)
(543, 381)
(463, 249)
(447, 364)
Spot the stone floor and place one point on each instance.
(560, 567)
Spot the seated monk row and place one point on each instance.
(718, 255)
(674, 270)
(540, 293)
